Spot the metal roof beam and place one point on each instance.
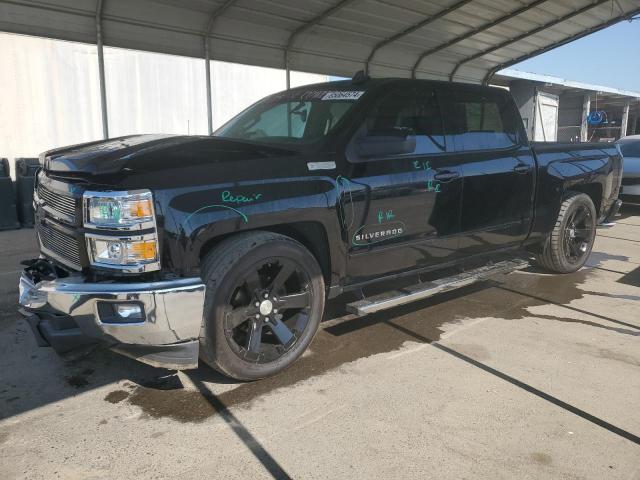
(216, 13)
(413, 28)
(473, 32)
(111, 18)
(53, 8)
(523, 36)
(306, 26)
(577, 36)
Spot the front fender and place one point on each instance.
(196, 218)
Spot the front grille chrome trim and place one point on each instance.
(59, 245)
(61, 206)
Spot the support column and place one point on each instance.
(287, 70)
(101, 76)
(584, 125)
(219, 10)
(625, 120)
(207, 69)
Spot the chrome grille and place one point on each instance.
(63, 204)
(60, 244)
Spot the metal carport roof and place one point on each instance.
(466, 40)
(470, 39)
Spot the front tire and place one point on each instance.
(264, 302)
(573, 236)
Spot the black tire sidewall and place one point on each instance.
(224, 357)
(576, 202)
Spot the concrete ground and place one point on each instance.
(528, 376)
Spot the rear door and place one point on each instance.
(401, 210)
(484, 130)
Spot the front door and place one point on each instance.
(400, 201)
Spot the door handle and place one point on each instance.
(522, 168)
(446, 176)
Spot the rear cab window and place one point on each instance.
(480, 120)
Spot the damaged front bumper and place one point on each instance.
(157, 323)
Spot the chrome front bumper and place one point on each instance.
(70, 312)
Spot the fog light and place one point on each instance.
(129, 311)
(121, 313)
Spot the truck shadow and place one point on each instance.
(344, 338)
(35, 377)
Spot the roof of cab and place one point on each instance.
(373, 83)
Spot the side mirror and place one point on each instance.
(381, 143)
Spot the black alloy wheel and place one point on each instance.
(269, 310)
(578, 234)
(263, 305)
(569, 245)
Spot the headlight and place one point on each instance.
(132, 243)
(133, 253)
(119, 210)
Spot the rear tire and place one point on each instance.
(264, 302)
(573, 235)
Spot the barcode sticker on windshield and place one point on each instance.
(346, 95)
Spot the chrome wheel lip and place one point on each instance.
(272, 313)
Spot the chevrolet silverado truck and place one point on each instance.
(224, 248)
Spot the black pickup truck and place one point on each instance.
(225, 247)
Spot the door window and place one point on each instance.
(414, 113)
(481, 121)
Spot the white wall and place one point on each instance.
(236, 86)
(49, 93)
(154, 93)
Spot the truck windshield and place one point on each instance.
(295, 117)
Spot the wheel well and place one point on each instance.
(593, 190)
(310, 234)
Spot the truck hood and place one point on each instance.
(151, 153)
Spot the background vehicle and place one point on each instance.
(170, 247)
(630, 149)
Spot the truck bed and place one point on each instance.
(593, 168)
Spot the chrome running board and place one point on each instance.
(424, 290)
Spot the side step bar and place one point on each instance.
(424, 290)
